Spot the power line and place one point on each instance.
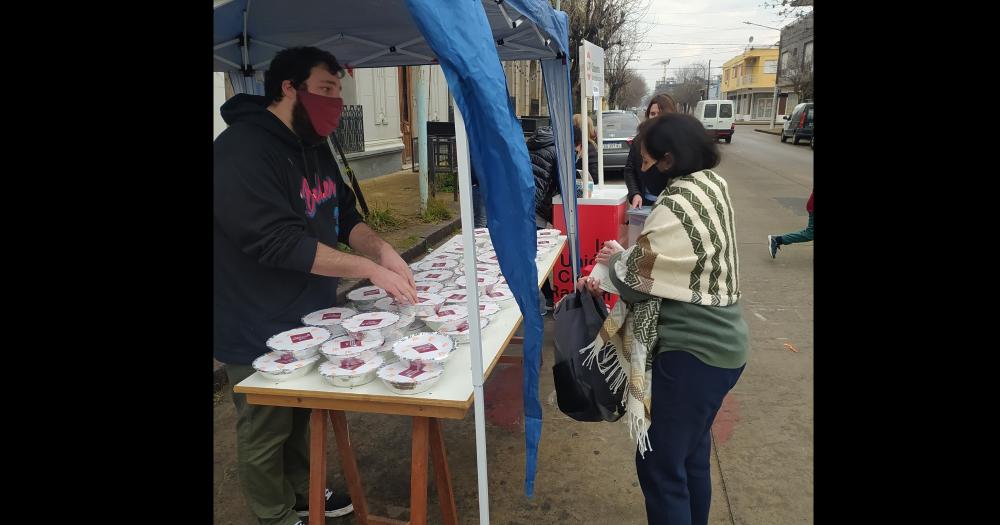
(715, 44)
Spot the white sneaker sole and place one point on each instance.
(330, 513)
(769, 247)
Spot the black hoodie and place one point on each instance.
(275, 198)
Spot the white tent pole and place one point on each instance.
(420, 128)
(475, 331)
(584, 120)
(600, 142)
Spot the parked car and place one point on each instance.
(717, 117)
(799, 125)
(619, 128)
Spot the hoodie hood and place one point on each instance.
(252, 109)
(542, 138)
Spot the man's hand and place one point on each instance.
(389, 259)
(610, 248)
(397, 286)
(636, 201)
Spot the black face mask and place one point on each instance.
(303, 126)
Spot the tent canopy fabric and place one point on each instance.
(468, 38)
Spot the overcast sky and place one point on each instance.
(705, 30)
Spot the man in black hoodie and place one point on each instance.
(281, 207)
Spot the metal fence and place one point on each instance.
(351, 131)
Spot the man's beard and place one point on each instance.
(303, 127)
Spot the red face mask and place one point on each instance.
(324, 112)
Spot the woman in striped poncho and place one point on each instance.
(677, 341)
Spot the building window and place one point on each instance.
(807, 55)
(770, 67)
(785, 57)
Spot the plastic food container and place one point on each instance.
(350, 372)
(488, 309)
(483, 280)
(427, 347)
(351, 345)
(459, 330)
(488, 257)
(389, 304)
(434, 276)
(379, 322)
(501, 296)
(282, 366)
(429, 287)
(440, 264)
(457, 249)
(481, 232)
(441, 256)
(404, 377)
(550, 232)
(457, 296)
(364, 298)
(330, 318)
(301, 343)
(427, 304)
(448, 312)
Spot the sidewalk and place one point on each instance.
(395, 196)
(775, 131)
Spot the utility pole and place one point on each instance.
(708, 80)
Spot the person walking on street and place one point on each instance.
(775, 242)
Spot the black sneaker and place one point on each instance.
(336, 505)
(773, 244)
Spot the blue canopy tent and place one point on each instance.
(468, 38)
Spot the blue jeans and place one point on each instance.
(675, 475)
(805, 235)
(478, 208)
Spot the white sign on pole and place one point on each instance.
(593, 64)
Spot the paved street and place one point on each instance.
(763, 453)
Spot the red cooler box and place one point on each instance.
(602, 217)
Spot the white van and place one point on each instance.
(717, 117)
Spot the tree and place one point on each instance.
(689, 86)
(613, 25)
(633, 92)
(786, 8)
(799, 79)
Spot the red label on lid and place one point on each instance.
(423, 288)
(371, 322)
(439, 265)
(446, 312)
(480, 279)
(433, 275)
(301, 337)
(424, 348)
(334, 315)
(495, 294)
(371, 292)
(285, 359)
(414, 370)
(351, 363)
(464, 327)
(349, 344)
(457, 296)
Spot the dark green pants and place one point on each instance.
(272, 449)
(805, 235)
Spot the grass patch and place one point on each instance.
(383, 219)
(410, 242)
(446, 182)
(436, 212)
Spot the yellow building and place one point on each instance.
(748, 80)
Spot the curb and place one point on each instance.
(409, 255)
(769, 132)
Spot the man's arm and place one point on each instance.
(334, 263)
(365, 241)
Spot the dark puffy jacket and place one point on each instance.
(542, 150)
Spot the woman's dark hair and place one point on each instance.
(663, 101)
(295, 64)
(684, 138)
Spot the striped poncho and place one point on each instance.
(686, 252)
